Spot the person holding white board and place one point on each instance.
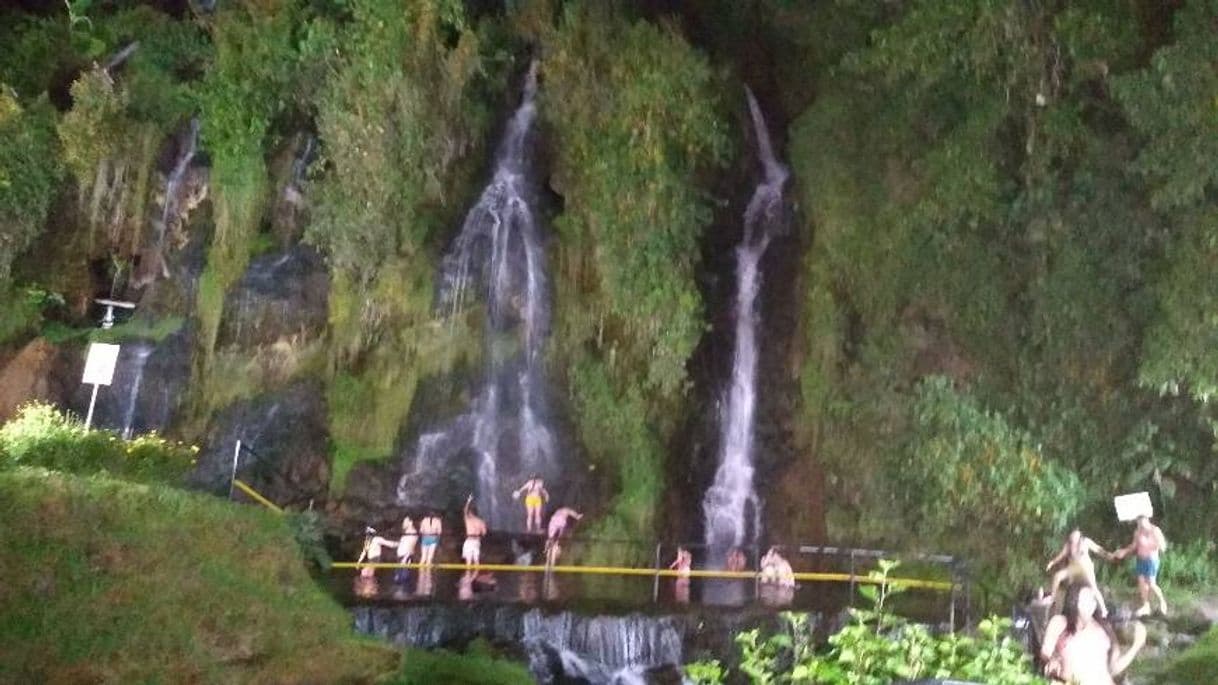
(1147, 544)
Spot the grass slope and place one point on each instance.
(110, 581)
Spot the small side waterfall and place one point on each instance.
(505, 436)
(173, 182)
(730, 498)
(140, 360)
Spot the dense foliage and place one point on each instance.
(44, 436)
(1006, 212)
(876, 648)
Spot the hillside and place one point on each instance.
(109, 581)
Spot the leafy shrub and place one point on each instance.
(41, 435)
(877, 648)
(1189, 565)
(307, 531)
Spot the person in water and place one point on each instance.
(1080, 648)
(372, 551)
(560, 520)
(683, 564)
(406, 545)
(735, 560)
(429, 528)
(535, 495)
(475, 529)
(776, 570)
(1076, 552)
(1147, 544)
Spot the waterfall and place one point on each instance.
(169, 210)
(731, 496)
(142, 352)
(498, 253)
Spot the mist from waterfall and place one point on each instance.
(731, 498)
(498, 256)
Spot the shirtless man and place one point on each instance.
(429, 528)
(559, 521)
(535, 495)
(406, 545)
(1148, 543)
(1077, 553)
(475, 528)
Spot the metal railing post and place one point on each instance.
(852, 577)
(655, 584)
(955, 580)
(232, 481)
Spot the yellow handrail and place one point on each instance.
(257, 497)
(665, 573)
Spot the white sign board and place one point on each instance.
(1130, 507)
(99, 365)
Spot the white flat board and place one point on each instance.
(99, 365)
(1131, 506)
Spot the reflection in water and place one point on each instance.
(680, 590)
(365, 586)
(527, 583)
(426, 585)
(550, 587)
(775, 595)
(465, 586)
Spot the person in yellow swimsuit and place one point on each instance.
(535, 495)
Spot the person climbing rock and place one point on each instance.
(560, 520)
(1147, 545)
(1076, 552)
(475, 529)
(535, 495)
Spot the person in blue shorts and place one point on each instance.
(1148, 544)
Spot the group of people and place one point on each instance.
(427, 536)
(1079, 645)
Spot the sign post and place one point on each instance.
(99, 371)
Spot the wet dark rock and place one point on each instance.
(283, 295)
(285, 438)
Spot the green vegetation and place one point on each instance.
(30, 170)
(112, 581)
(476, 666)
(1198, 664)
(877, 648)
(43, 436)
(635, 115)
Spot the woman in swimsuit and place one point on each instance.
(429, 528)
(372, 551)
(406, 545)
(535, 495)
(1080, 648)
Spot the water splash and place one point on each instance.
(731, 496)
(497, 255)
